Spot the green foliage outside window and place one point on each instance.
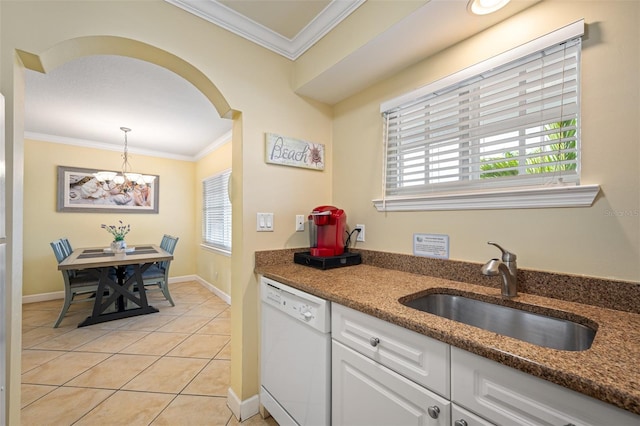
(505, 163)
(560, 156)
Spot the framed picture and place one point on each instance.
(80, 191)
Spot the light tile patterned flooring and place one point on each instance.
(167, 368)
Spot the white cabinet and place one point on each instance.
(368, 394)
(423, 359)
(383, 374)
(508, 396)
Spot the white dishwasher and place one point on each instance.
(295, 361)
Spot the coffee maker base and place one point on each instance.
(328, 262)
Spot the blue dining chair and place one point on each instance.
(66, 245)
(157, 275)
(76, 283)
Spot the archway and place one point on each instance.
(109, 45)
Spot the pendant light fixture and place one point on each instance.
(126, 178)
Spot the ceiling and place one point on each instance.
(86, 101)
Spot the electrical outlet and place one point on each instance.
(299, 222)
(360, 236)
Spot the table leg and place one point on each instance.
(121, 273)
(120, 290)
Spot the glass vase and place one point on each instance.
(118, 246)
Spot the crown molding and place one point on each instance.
(229, 19)
(223, 139)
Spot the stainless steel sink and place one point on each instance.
(541, 330)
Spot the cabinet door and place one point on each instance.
(508, 396)
(368, 394)
(421, 358)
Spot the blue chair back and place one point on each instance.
(66, 245)
(168, 243)
(59, 250)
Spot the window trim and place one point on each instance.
(216, 249)
(510, 198)
(557, 195)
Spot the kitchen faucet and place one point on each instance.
(507, 268)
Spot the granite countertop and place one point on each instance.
(607, 371)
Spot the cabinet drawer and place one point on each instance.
(507, 396)
(462, 417)
(364, 393)
(420, 358)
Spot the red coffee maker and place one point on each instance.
(331, 223)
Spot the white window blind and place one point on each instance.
(517, 124)
(216, 215)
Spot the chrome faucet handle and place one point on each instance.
(507, 256)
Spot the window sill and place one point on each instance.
(216, 250)
(521, 198)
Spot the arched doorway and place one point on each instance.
(72, 49)
(111, 45)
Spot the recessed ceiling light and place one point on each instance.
(484, 7)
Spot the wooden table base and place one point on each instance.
(119, 292)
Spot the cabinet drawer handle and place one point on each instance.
(461, 422)
(433, 411)
(374, 341)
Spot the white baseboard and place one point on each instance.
(43, 297)
(215, 290)
(242, 410)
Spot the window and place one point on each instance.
(510, 122)
(216, 214)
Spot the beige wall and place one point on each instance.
(213, 267)
(43, 224)
(586, 241)
(180, 212)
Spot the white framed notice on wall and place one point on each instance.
(431, 245)
(292, 152)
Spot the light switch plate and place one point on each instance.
(264, 222)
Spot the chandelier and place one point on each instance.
(126, 178)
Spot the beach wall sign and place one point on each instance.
(292, 152)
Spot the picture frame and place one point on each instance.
(80, 191)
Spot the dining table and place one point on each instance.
(120, 292)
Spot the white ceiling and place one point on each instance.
(288, 27)
(287, 21)
(86, 101)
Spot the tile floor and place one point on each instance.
(167, 368)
